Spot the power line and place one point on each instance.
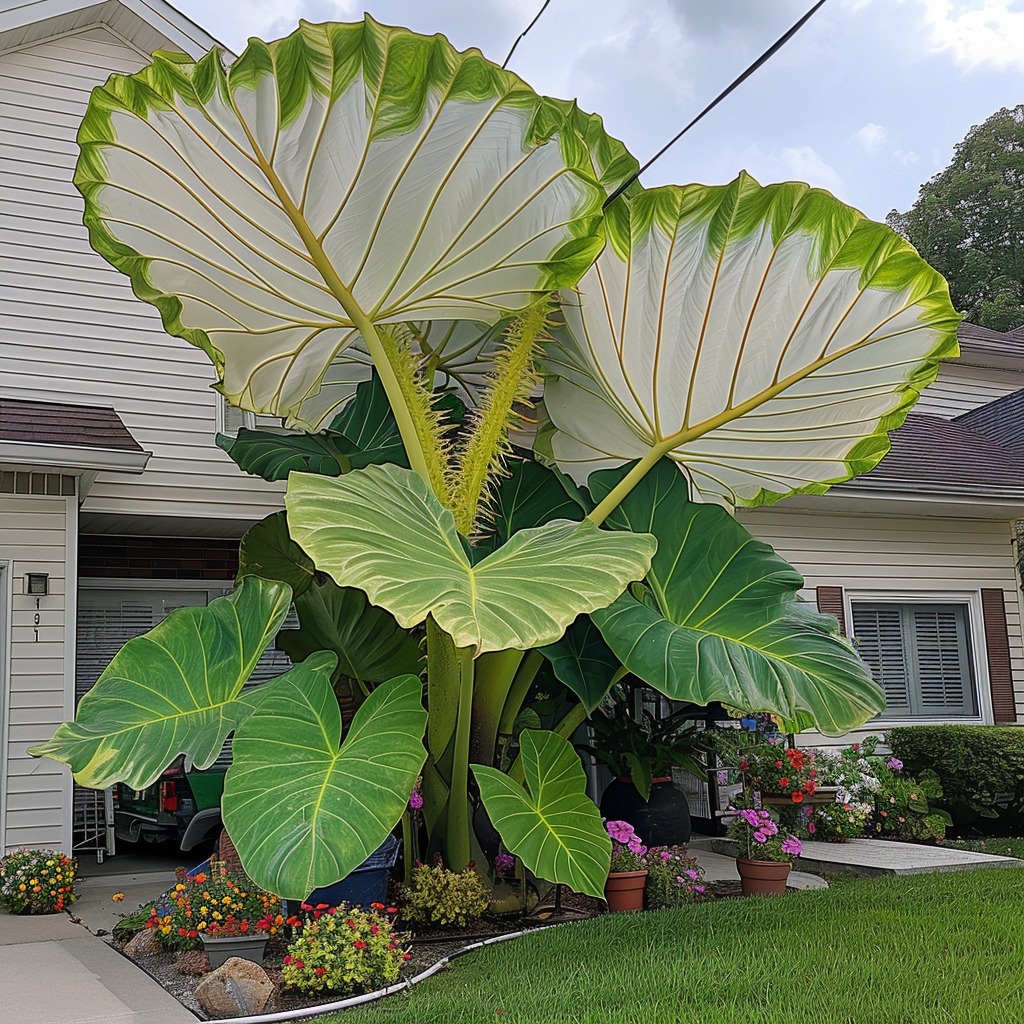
(536, 18)
(768, 54)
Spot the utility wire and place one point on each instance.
(536, 18)
(767, 55)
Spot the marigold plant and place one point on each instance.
(37, 881)
(215, 903)
(345, 949)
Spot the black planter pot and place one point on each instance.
(663, 820)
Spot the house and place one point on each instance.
(116, 506)
(115, 503)
(918, 558)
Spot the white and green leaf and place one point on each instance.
(765, 339)
(346, 171)
(550, 824)
(172, 690)
(303, 811)
(383, 531)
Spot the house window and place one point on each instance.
(920, 655)
(231, 419)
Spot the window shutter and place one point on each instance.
(997, 645)
(830, 602)
(943, 667)
(879, 633)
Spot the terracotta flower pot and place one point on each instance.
(624, 891)
(763, 877)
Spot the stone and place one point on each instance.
(238, 988)
(142, 944)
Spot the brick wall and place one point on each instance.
(158, 558)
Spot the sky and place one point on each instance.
(867, 100)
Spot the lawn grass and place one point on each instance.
(1000, 846)
(922, 949)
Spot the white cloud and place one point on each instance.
(905, 157)
(984, 33)
(793, 163)
(871, 136)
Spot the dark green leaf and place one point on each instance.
(723, 621)
(274, 455)
(369, 644)
(269, 552)
(583, 661)
(367, 427)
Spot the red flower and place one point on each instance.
(374, 930)
(797, 797)
(287, 959)
(320, 972)
(377, 906)
(359, 944)
(783, 782)
(392, 910)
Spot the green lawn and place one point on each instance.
(925, 949)
(1003, 847)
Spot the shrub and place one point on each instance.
(979, 767)
(904, 806)
(37, 881)
(344, 949)
(217, 903)
(437, 896)
(673, 878)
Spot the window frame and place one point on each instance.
(977, 649)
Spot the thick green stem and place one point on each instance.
(458, 848)
(618, 493)
(493, 676)
(517, 692)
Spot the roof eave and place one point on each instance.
(80, 458)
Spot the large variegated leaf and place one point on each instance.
(347, 170)
(764, 338)
(302, 811)
(551, 824)
(172, 690)
(383, 531)
(722, 620)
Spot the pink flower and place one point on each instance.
(665, 855)
(792, 846)
(895, 764)
(415, 800)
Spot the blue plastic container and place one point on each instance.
(367, 884)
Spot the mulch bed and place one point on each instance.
(180, 973)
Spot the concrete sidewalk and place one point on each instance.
(54, 971)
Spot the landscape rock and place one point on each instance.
(238, 988)
(142, 944)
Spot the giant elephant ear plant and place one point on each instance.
(366, 231)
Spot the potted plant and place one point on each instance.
(220, 910)
(775, 770)
(768, 851)
(641, 749)
(37, 881)
(624, 889)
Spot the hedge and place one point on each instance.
(980, 767)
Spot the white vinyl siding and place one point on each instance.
(70, 327)
(918, 654)
(34, 538)
(959, 388)
(899, 557)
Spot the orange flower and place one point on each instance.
(117, 897)
(797, 797)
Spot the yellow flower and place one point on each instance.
(117, 897)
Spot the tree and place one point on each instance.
(339, 220)
(968, 222)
